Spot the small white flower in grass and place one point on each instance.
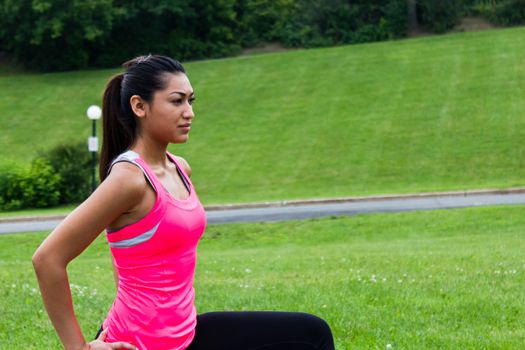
(13, 285)
(247, 270)
(388, 346)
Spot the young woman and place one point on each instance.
(153, 219)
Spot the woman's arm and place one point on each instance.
(119, 193)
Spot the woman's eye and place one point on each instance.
(191, 101)
(178, 101)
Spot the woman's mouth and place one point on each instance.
(185, 127)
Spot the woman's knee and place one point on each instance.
(316, 326)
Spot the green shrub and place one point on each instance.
(40, 185)
(10, 196)
(33, 187)
(73, 163)
(61, 175)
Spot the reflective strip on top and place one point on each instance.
(143, 237)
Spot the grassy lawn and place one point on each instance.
(426, 114)
(62, 210)
(450, 279)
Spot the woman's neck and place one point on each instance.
(154, 153)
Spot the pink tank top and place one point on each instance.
(155, 258)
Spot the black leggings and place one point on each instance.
(261, 330)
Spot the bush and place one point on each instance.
(33, 187)
(61, 175)
(73, 163)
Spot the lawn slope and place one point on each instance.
(426, 114)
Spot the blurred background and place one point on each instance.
(296, 100)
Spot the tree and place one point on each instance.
(53, 35)
(413, 25)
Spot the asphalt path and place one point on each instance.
(283, 211)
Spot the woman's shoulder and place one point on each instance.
(129, 178)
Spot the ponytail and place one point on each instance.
(144, 75)
(118, 127)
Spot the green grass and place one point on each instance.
(426, 114)
(62, 210)
(450, 279)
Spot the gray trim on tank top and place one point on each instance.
(130, 156)
(143, 237)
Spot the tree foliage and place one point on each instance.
(439, 15)
(54, 35)
(501, 12)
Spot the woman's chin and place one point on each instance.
(181, 139)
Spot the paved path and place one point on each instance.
(279, 211)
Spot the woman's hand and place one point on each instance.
(99, 343)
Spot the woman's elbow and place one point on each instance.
(38, 260)
(43, 261)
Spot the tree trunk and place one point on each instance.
(413, 25)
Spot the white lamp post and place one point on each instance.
(94, 112)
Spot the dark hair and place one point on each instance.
(143, 76)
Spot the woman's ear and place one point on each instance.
(138, 106)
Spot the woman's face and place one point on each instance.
(169, 116)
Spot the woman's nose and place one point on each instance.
(188, 112)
